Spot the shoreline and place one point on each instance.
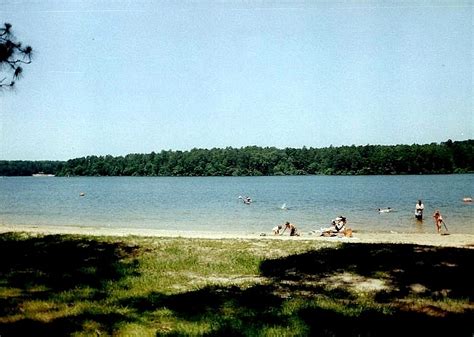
(430, 239)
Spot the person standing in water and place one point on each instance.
(419, 207)
(438, 219)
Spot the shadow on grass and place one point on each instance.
(44, 268)
(430, 272)
(409, 290)
(64, 326)
(411, 296)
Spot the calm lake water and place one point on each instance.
(212, 203)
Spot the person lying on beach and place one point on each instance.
(292, 228)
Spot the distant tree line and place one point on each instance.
(27, 168)
(447, 157)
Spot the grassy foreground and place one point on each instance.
(61, 285)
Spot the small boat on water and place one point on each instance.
(467, 199)
(42, 174)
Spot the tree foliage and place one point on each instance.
(447, 157)
(28, 168)
(12, 56)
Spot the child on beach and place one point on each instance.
(276, 230)
(438, 219)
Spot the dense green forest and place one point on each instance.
(27, 168)
(447, 157)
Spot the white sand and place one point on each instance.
(451, 240)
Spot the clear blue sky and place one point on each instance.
(119, 77)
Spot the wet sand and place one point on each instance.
(430, 239)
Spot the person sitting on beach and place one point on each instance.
(337, 226)
(292, 228)
(339, 223)
(276, 230)
(438, 219)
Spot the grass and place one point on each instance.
(64, 285)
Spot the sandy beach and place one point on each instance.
(431, 239)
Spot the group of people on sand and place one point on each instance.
(338, 225)
(438, 218)
(280, 229)
(337, 228)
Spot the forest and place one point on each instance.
(435, 158)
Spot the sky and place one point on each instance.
(115, 77)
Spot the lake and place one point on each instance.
(213, 204)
